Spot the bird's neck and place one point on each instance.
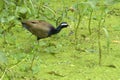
(57, 30)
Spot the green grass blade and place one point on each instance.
(107, 39)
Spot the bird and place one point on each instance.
(42, 29)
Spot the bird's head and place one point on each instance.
(63, 24)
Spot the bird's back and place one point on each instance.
(39, 28)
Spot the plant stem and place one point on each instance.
(76, 29)
(34, 56)
(99, 45)
(3, 74)
(33, 8)
(107, 39)
(99, 37)
(50, 9)
(11, 68)
(89, 23)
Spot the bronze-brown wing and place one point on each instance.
(39, 28)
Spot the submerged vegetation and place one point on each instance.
(87, 50)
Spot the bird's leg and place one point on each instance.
(38, 38)
(34, 55)
(38, 42)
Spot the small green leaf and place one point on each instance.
(116, 28)
(22, 9)
(92, 3)
(107, 39)
(10, 18)
(3, 58)
(1, 5)
(35, 69)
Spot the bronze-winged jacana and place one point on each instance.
(42, 29)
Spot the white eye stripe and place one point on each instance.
(64, 24)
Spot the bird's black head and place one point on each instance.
(63, 24)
